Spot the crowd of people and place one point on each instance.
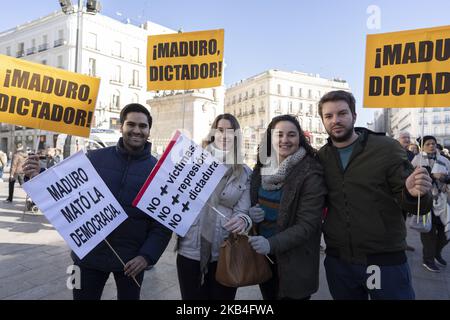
(366, 183)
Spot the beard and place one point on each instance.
(344, 137)
(132, 145)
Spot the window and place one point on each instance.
(60, 63)
(436, 119)
(60, 40)
(44, 45)
(300, 107)
(92, 67)
(292, 91)
(290, 107)
(92, 40)
(447, 118)
(253, 92)
(309, 93)
(300, 94)
(310, 109)
(20, 50)
(8, 51)
(44, 61)
(279, 89)
(117, 49)
(135, 80)
(135, 54)
(115, 103)
(117, 76)
(135, 98)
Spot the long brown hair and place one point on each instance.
(237, 157)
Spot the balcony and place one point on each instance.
(135, 86)
(116, 82)
(31, 50)
(43, 47)
(20, 54)
(58, 43)
(261, 110)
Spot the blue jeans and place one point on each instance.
(350, 281)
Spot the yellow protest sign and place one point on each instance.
(43, 97)
(408, 69)
(182, 61)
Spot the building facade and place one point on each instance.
(256, 100)
(436, 122)
(191, 112)
(111, 50)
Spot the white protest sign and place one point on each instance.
(180, 184)
(77, 202)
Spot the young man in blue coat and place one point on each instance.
(139, 240)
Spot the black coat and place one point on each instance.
(296, 244)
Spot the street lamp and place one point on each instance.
(92, 7)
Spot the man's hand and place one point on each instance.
(260, 244)
(135, 266)
(31, 166)
(256, 213)
(419, 182)
(235, 225)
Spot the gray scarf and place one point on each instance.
(276, 181)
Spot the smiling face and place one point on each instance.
(338, 120)
(135, 131)
(224, 135)
(285, 139)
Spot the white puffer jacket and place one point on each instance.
(234, 200)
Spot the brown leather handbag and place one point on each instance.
(239, 265)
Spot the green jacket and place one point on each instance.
(365, 200)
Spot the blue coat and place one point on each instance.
(124, 174)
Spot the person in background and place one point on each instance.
(16, 172)
(287, 195)
(414, 148)
(3, 162)
(404, 138)
(434, 241)
(198, 250)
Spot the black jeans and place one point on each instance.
(11, 186)
(189, 278)
(433, 241)
(93, 281)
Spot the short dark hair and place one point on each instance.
(135, 107)
(338, 95)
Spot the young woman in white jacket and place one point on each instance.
(198, 250)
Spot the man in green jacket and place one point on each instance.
(370, 181)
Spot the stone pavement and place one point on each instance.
(34, 260)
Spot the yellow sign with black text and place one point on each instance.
(182, 61)
(408, 69)
(47, 98)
